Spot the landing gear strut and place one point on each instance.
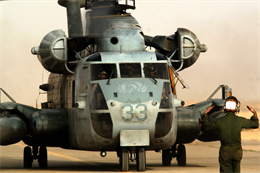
(124, 160)
(30, 155)
(135, 154)
(27, 157)
(166, 157)
(140, 159)
(42, 158)
(179, 153)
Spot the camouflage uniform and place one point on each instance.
(229, 128)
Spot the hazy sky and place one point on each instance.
(230, 29)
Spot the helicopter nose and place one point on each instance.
(134, 112)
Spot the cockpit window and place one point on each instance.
(156, 70)
(166, 99)
(97, 99)
(103, 71)
(130, 70)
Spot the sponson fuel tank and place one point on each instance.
(13, 129)
(189, 125)
(190, 121)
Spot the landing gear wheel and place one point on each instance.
(43, 160)
(124, 160)
(181, 155)
(140, 159)
(166, 157)
(27, 157)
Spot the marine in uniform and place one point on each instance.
(97, 93)
(229, 128)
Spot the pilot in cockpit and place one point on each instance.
(97, 94)
(103, 75)
(151, 71)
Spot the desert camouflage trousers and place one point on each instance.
(229, 158)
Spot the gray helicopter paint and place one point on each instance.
(134, 138)
(136, 97)
(123, 37)
(86, 136)
(82, 135)
(133, 110)
(132, 90)
(115, 57)
(123, 29)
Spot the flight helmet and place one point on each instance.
(232, 104)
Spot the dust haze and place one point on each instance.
(230, 29)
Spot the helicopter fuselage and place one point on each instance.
(105, 92)
(126, 99)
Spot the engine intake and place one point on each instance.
(53, 53)
(183, 47)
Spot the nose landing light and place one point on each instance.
(103, 153)
(80, 104)
(178, 103)
(154, 103)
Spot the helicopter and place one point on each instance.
(106, 92)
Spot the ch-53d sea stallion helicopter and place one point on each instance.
(107, 93)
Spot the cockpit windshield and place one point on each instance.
(130, 70)
(156, 70)
(103, 71)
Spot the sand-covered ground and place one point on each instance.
(253, 134)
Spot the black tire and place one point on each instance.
(43, 158)
(124, 160)
(140, 159)
(27, 157)
(181, 155)
(166, 157)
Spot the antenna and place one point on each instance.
(7, 95)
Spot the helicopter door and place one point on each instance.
(84, 81)
(81, 100)
(99, 113)
(99, 74)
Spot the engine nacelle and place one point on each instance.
(183, 47)
(12, 129)
(189, 48)
(53, 53)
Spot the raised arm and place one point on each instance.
(253, 122)
(253, 111)
(207, 126)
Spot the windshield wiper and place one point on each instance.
(152, 78)
(110, 77)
